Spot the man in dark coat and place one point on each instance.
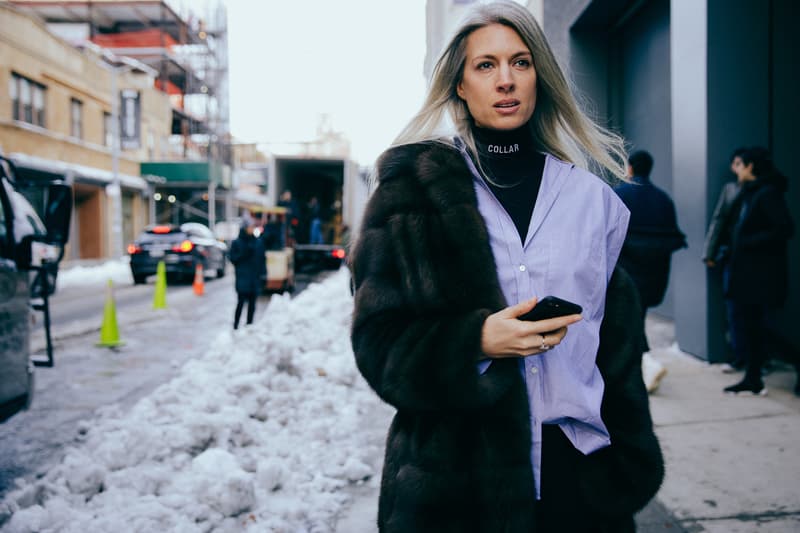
(653, 233)
(717, 248)
(250, 264)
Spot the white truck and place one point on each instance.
(340, 189)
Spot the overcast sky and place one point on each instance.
(360, 61)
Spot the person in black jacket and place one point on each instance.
(653, 233)
(250, 264)
(717, 247)
(758, 270)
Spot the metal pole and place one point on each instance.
(114, 191)
(212, 204)
(152, 201)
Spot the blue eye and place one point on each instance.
(484, 65)
(522, 63)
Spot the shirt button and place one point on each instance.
(522, 268)
(534, 370)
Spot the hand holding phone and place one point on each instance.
(551, 307)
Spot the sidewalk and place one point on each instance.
(732, 461)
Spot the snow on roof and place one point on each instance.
(78, 171)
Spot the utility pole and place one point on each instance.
(114, 190)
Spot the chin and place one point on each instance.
(506, 124)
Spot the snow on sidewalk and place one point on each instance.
(265, 432)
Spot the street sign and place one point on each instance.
(130, 119)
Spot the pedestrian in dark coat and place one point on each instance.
(250, 266)
(653, 233)
(502, 424)
(759, 265)
(717, 249)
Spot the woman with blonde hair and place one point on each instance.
(504, 422)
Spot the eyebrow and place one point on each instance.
(514, 56)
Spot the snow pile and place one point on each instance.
(119, 271)
(262, 433)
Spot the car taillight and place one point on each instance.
(185, 246)
(338, 253)
(161, 229)
(134, 249)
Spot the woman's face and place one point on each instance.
(499, 80)
(743, 172)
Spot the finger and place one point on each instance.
(521, 308)
(552, 324)
(556, 336)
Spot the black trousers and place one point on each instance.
(242, 297)
(757, 338)
(562, 508)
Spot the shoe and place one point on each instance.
(652, 372)
(731, 368)
(747, 387)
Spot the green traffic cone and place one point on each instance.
(160, 296)
(109, 332)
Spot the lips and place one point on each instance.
(504, 104)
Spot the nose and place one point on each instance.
(505, 79)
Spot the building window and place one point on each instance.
(27, 100)
(76, 118)
(108, 130)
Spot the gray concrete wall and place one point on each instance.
(688, 38)
(690, 81)
(785, 111)
(644, 97)
(558, 18)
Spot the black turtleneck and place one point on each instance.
(514, 167)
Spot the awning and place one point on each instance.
(189, 173)
(80, 173)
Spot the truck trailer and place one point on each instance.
(331, 189)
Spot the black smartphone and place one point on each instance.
(551, 307)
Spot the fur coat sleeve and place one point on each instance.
(632, 468)
(421, 289)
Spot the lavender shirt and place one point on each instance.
(574, 238)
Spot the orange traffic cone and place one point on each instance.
(199, 285)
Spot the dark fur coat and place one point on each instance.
(458, 450)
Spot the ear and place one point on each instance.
(460, 90)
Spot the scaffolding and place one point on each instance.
(188, 50)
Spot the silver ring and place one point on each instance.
(544, 345)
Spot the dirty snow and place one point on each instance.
(262, 433)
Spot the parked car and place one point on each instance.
(181, 248)
(30, 250)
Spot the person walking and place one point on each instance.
(250, 267)
(717, 246)
(758, 269)
(502, 424)
(653, 236)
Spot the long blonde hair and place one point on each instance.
(558, 124)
